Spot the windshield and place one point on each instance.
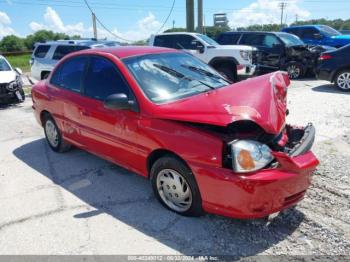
(290, 40)
(171, 76)
(329, 30)
(4, 66)
(208, 40)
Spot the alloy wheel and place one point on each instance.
(343, 81)
(174, 190)
(294, 71)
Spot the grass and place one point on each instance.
(21, 61)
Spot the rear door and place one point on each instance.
(65, 90)
(109, 133)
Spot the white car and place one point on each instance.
(11, 84)
(233, 61)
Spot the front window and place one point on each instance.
(208, 40)
(4, 66)
(329, 31)
(290, 40)
(172, 76)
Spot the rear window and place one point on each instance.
(63, 50)
(228, 39)
(41, 51)
(164, 41)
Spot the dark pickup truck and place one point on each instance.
(277, 51)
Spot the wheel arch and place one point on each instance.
(223, 59)
(43, 114)
(336, 72)
(159, 153)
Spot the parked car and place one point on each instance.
(11, 85)
(334, 66)
(204, 143)
(319, 35)
(235, 62)
(277, 51)
(46, 55)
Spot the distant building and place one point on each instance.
(220, 20)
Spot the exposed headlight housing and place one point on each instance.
(249, 155)
(12, 86)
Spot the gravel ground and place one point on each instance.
(76, 203)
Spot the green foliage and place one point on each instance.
(265, 27)
(11, 43)
(213, 31)
(21, 61)
(175, 29)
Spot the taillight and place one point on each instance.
(325, 57)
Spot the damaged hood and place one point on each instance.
(260, 99)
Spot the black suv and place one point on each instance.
(277, 51)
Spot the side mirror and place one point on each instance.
(200, 49)
(117, 102)
(19, 71)
(317, 36)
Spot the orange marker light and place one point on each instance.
(245, 160)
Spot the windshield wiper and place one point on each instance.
(177, 74)
(203, 72)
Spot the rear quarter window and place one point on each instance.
(41, 51)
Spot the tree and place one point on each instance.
(214, 31)
(11, 43)
(42, 36)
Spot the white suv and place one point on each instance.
(46, 55)
(234, 61)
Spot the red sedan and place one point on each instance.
(204, 143)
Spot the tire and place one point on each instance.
(229, 71)
(172, 181)
(21, 91)
(51, 130)
(342, 80)
(295, 70)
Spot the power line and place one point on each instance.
(167, 18)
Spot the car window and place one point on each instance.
(252, 39)
(176, 41)
(270, 41)
(103, 79)
(294, 31)
(63, 50)
(228, 39)
(41, 51)
(69, 75)
(308, 32)
(4, 66)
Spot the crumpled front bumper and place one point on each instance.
(260, 193)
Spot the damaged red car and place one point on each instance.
(206, 145)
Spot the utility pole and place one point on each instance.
(94, 25)
(296, 18)
(282, 5)
(200, 16)
(190, 15)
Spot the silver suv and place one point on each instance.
(46, 55)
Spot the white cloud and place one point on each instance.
(5, 28)
(52, 21)
(266, 12)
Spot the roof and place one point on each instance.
(249, 32)
(128, 51)
(84, 42)
(179, 33)
(301, 26)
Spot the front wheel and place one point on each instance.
(175, 187)
(342, 80)
(53, 136)
(295, 70)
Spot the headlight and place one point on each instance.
(245, 54)
(249, 155)
(12, 86)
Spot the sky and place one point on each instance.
(137, 19)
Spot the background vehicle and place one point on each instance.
(319, 35)
(334, 66)
(10, 83)
(277, 51)
(46, 55)
(232, 61)
(204, 143)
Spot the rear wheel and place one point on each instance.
(175, 187)
(342, 80)
(53, 136)
(295, 70)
